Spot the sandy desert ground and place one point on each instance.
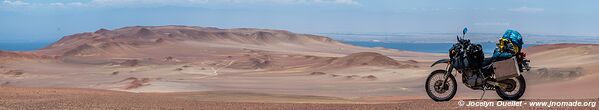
(173, 67)
(69, 98)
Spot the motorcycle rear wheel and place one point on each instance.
(433, 86)
(515, 89)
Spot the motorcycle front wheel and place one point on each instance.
(436, 89)
(514, 90)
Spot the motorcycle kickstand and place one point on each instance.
(484, 90)
(484, 86)
(481, 97)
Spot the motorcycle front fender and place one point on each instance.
(440, 61)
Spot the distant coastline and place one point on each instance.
(488, 47)
(419, 47)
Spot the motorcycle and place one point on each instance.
(478, 72)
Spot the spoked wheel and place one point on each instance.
(437, 90)
(514, 89)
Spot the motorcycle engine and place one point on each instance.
(471, 78)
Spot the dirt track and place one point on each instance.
(45, 98)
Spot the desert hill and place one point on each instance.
(105, 42)
(21, 54)
(16, 56)
(284, 62)
(546, 47)
(239, 48)
(366, 59)
(568, 68)
(564, 55)
(190, 41)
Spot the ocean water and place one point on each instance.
(22, 46)
(488, 47)
(420, 47)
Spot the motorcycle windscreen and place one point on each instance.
(506, 69)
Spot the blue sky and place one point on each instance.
(49, 20)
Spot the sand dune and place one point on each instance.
(564, 55)
(366, 59)
(567, 58)
(563, 70)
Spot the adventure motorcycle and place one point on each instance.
(478, 73)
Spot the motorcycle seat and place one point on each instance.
(487, 61)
